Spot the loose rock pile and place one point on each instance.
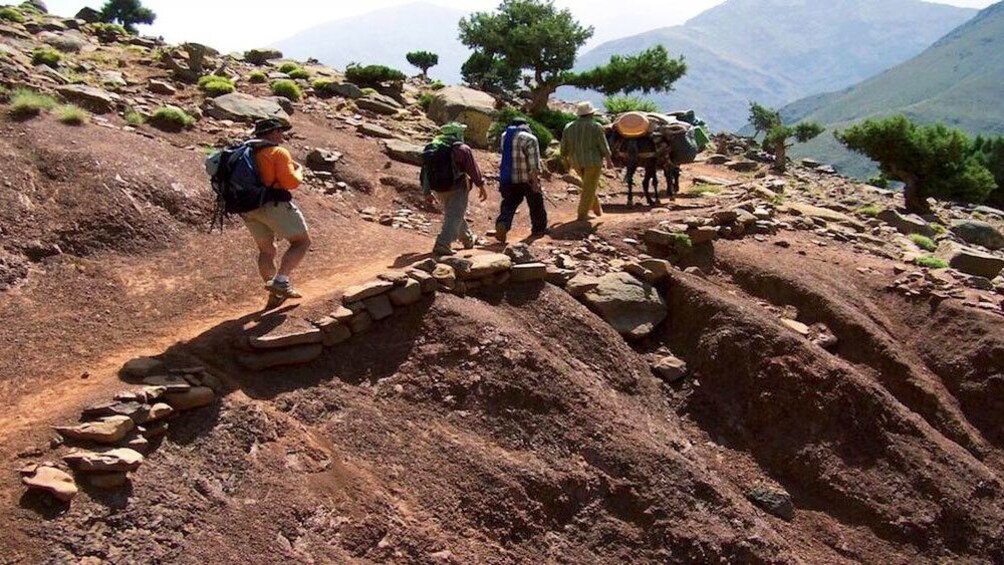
(112, 438)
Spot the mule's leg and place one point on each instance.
(673, 180)
(651, 178)
(629, 180)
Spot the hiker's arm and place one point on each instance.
(471, 167)
(604, 147)
(288, 175)
(533, 159)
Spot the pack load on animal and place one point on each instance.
(438, 167)
(233, 174)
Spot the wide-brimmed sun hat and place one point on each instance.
(585, 109)
(269, 125)
(632, 124)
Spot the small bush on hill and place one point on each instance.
(287, 89)
(216, 85)
(938, 228)
(46, 56)
(322, 83)
(108, 33)
(172, 119)
(4, 94)
(369, 91)
(11, 15)
(705, 189)
(931, 262)
(923, 242)
(71, 115)
(257, 77)
(25, 103)
(507, 115)
(621, 104)
(372, 75)
(425, 100)
(299, 73)
(879, 181)
(288, 67)
(872, 210)
(134, 118)
(437, 85)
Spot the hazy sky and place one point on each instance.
(232, 25)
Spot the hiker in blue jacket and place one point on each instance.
(519, 179)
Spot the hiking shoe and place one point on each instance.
(500, 232)
(285, 290)
(274, 301)
(540, 233)
(442, 251)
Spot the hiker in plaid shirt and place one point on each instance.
(519, 179)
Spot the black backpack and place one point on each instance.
(234, 177)
(438, 166)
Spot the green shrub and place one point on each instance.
(216, 85)
(299, 73)
(872, 210)
(322, 83)
(257, 77)
(287, 89)
(261, 56)
(4, 94)
(931, 262)
(879, 181)
(554, 120)
(507, 115)
(46, 56)
(172, 119)
(681, 240)
(372, 75)
(621, 104)
(108, 33)
(134, 118)
(11, 15)
(938, 228)
(923, 242)
(25, 103)
(369, 91)
(437, 85)
(705, 189)
(289, 67)
(72, 115)
(425, 100)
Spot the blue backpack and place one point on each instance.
(234, 177)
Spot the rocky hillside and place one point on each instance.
(769, 369)
(957, 81)
(777, 51)
(384, 37)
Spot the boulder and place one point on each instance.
(361, 323)
(471, 107)
(426, 280)
(404, 152)
(366, 290)
(825, 214)
(670, 369)
(89, 15)
(90, 98)
(112, 79)
(161, 87)
(519, 253)
(379, 307)
(774, 501)
(379, 104)
(343, 89)
(68, 42)
(975, 232)
(633, 307)
(579, 285)
(445, 275)
(54, 481)
(299, 355)
(116, 460)
(106, 431)
(477, 266)
(969, 260)
(240, 107)
(335, 331)
(374, 130)
(407, 294)
(906, 224)
(261, 56)
(323, 160)
(196, 397)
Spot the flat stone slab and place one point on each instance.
(404, 152)
(363, 291)
(528, 272)
(407, 294)
(375, 130)
(379, 307)
(470, 267)
(54, 481)
(116, 460)
(107, 431)
(292, 332)
(269, 359)
(197, 397)
(970, 261)
(633, 307)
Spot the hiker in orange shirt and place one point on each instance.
(279, 217)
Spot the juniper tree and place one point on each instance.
(128, 13)
(776, 141)
(931, 160)
(424, 60)
(536, 38)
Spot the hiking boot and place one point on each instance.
(540, 233)
(442, 251)
(500, 232)
(284, 289)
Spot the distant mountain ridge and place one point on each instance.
(958, 81)
(799, 48)
(385, 37)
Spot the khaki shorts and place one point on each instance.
(283, 220)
